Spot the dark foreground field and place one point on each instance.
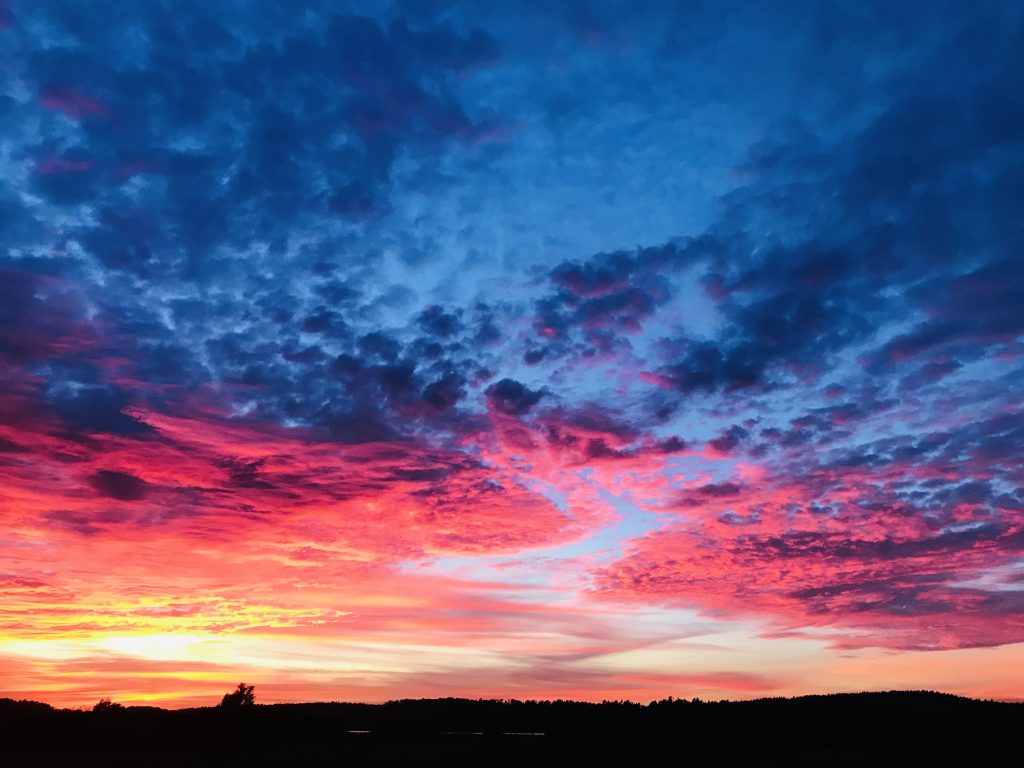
(897, 728)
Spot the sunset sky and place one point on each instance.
(593, 350)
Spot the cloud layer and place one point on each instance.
(385, 335)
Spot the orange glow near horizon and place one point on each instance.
(322, 590)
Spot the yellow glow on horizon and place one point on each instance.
(159, 647)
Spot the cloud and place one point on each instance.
(118, 485)
(512, 397)
(300, 311)
(886, 550)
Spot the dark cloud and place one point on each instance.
(95, 408)
(598, 300)
(233, 128)
(445, 392)
(728, 441)
(37, 314)
(122, 486)
(435, 321)
(86, 523)
(513, 397)
(379, 345)
(8, 446)
(360, 427)
(244, 474)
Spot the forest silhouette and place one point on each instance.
(899, 727)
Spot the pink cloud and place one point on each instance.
(72, 103)
(852, 558)
(58, 165)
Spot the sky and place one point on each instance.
(604, 350)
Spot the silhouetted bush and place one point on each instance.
(106, 705)
(242, 696)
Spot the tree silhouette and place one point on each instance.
(242, 696)
(106, 705)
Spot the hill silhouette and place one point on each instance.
(898, 727)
